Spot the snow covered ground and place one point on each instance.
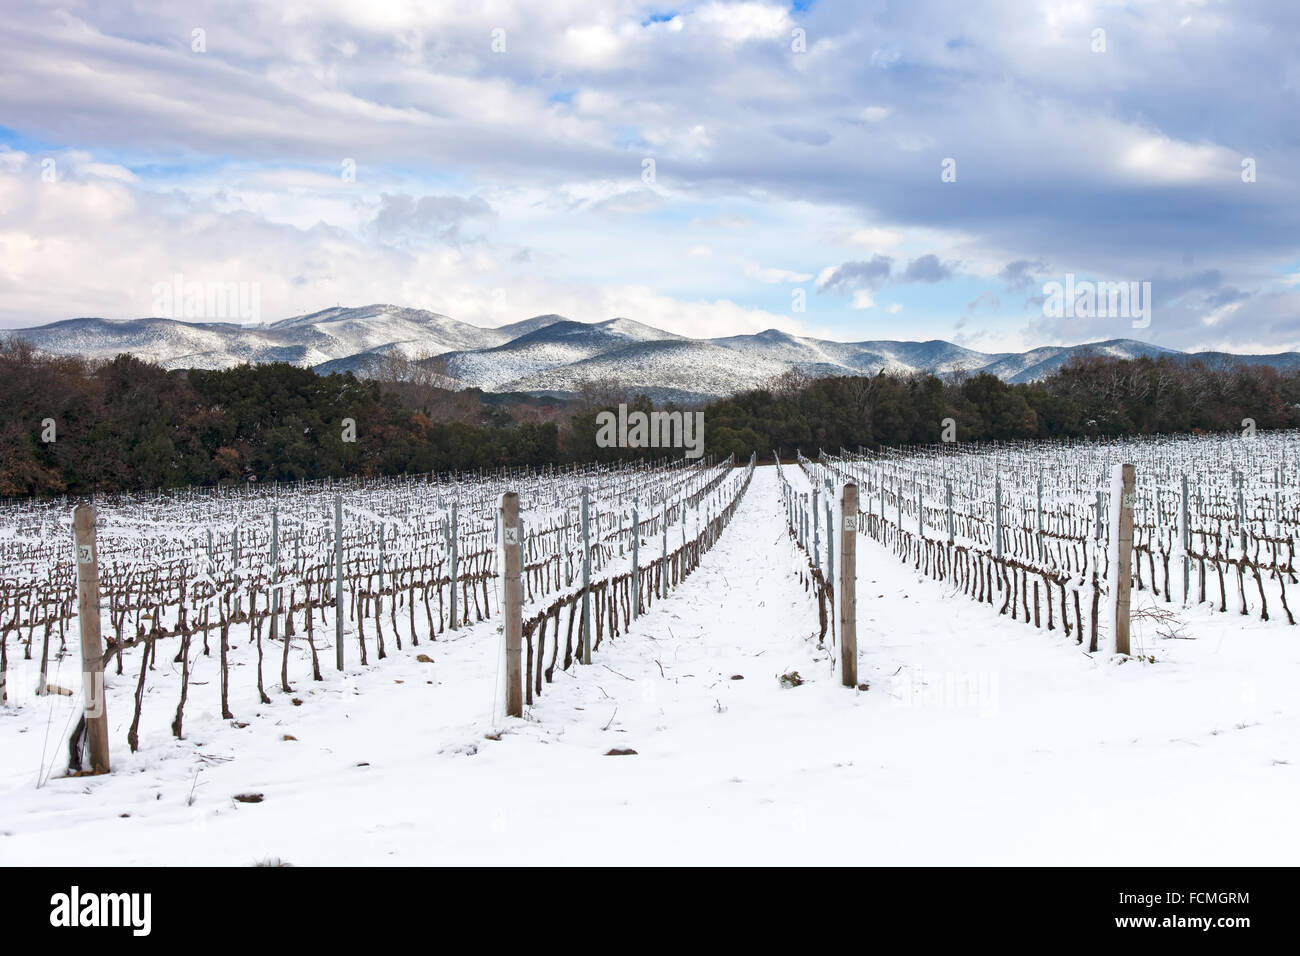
(980, 740)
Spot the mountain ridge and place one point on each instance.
(554, 354)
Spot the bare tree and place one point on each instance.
(597, 393)
(425, 369)
(425, 383)
(862, 391)
(791, 381)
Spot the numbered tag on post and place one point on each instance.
(850, 522)
(512, 535)
(85, 554)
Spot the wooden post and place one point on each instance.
(453, 530)
(568, 563)
(1038, 519)
(681, 563)
(830, 533)
(1124, 560)
(636, 567)
(586, 579)
(1241, 510)
(663, 556)
(514, 613)
(234, 543)
(338, 581)
(1277, 502)
(1185, 534)
(92, 652)
(275, 573)
(947, 486)
(997, 516)
(817, 542)
(848, 585)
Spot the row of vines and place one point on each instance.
(1027, 526)
(280, 582)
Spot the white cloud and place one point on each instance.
(772, 275)
(743, 22)
(118, 240)
(593, 45)
(595, 102)
(1159, 159)
(228, 160)
(873, 238)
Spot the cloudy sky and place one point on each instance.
(710, 168)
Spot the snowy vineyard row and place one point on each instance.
(1027, 527)
(804, 525)
(610, 605)
(233, 574)
(161, 558)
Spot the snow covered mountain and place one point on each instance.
(821, 357)
(302, 340)
(1041, 362)
(413, 332)
(550, 353)
(522, 363)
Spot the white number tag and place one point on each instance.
(512, 535)
(85, 555)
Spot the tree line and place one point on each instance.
(76, 426)
(1090, 397)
